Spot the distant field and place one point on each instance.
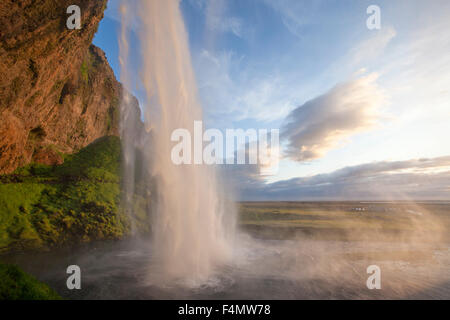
(425, 221)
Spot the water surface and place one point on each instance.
(261, 269)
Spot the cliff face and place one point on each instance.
(57, 91)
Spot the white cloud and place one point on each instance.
(217, 18)
(229, 24)
(230, 91)
(327, 121)
(199, 4)
(372, 47)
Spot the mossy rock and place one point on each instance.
(46, 206)
(18, 285)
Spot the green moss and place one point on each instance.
(85, 71)
(14, 211)
(104, 154)
(17, 285)
(44, 206)
(113, 113)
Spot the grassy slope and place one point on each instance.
(43, 206)
(17, 285)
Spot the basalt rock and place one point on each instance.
(57, 90)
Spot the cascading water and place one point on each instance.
(191, 227)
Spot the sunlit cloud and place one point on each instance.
(426, 179)
(329, 120)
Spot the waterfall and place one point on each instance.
(191, 227)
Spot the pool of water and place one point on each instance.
(260, 269)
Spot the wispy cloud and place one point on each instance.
(329, 120)
(228, 24)
(296, 14)
(217, 17)
(230, 91)
(372, 47)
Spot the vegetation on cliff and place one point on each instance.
(17, 285)
(44, 206)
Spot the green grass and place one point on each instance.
(17, 285)
(78, 201)
(340, 218)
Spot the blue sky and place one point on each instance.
(342, 95)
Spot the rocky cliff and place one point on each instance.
(57, 91)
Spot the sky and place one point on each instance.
(363, 114)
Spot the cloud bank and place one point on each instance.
(327, 121)
(419, 179)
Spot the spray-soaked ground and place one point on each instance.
(262, 269)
